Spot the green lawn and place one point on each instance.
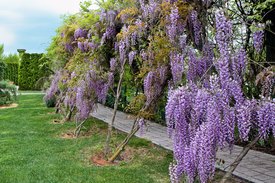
(31, 150)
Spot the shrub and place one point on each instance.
(31, 71)
(8, 92)
(50, 102)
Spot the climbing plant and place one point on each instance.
(202, 57)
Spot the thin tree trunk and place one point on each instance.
(78, 128)
(234, 165)
(134, 129)
(110, 125)
(69, 115)
(121, 147)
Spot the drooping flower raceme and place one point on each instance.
(266, 118)
(172, 28)
(196, 26)
(53, 89)
(177, 67)
(258, 40)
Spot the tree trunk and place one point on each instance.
(69, 115)
(78, 128)
(121, 147)
(234, 165)
(110, 125)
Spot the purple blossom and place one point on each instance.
(70, 98)
(133, 38)
(82, 104)
(113, 64)
(122, 51)
(152, 86)
(238, 65)
(196, 26)
(258, 40)
(148, 81)
(236, 91)
(69, 47)
(80, 46)
(172, 28)
(111, 16)
(224, 74)
(192, 67)
(53, 89)
(132, 55)
(177, 67)
(244, 119)
(143, 55)
(109, 34)
(80, 33)
(85, 45)
(182, 41)
(111, 79)
(266, 119)
(174, 178)
(229, 121)
(208, 55)
(92, 45)
(162, 71)
(224, 33)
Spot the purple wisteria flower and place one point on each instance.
(172, 28)
(113, 64)
(224, 33)
(80, 33)
(266, 119)
(53, 89)
(177, 67)
(132, 55)
(258, 40)
(196, 26)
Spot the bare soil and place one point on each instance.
(57, 121)
(99, 160)
(127, 155)
(9, 106)
(67, 135)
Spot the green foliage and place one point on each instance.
(8, 66)
(2, 70)
(2, 64)
(32, 68)
(11, 72)
(50, 102)
(7, 92)
(1, 52)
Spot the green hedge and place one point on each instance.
(31, 71)
(11, 72)
(2, 70)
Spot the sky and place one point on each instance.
(30, 24)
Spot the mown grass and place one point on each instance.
(32, 151)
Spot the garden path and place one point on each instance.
(256, 166)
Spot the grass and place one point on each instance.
(31, 150)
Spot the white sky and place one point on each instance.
(23, 20)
